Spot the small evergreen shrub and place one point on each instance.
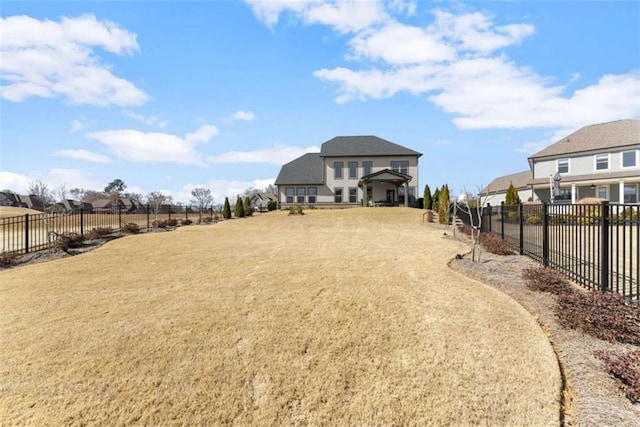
(296, 210)
(543, 279)
(226, 210)
(99, 232)
(604, 315)
(624, 366)
(68, 241)
(272, 205)
(494, 244)
(7, 259)
(131, 228)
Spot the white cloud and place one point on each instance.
(76, 125)
(241, 115)
(150, 120)
(402, 6)
(84, 155)
(54, 178)
(277, 155)
(156, 147)
(45, 58)
(341, 15)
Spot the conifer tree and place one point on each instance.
(248, 209)
(512, 198)
(443, 204)
(427, 202)
(434, 199)
(226, 210)
(239, 211)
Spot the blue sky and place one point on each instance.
(170, 95)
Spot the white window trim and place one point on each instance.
(568, 165)
(622, 166)
(595, 162)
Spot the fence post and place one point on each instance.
(119, 216)
(148, 225)
(490, 212)
(604, 247)
(82, 221)
(186, 213)
(521, 223)
(169, 209)
(502, 220)
(545, 234)
(26, 233)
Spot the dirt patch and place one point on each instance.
(592, 398)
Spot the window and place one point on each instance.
(312, 192)
(337, 170)
(353, 170)
(563, 165)
(601, 192)
(602, 162)
(565, 194)
(401, 194)
(629, 159)
(631, 193)
(402, 167)
(289, 193)
(300, 193)
(353, 194)
(367, 167)
(337, 195)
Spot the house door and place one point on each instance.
(391, 196)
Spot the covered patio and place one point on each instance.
(386, 187)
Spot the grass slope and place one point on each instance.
(334, 317)
(9, 211)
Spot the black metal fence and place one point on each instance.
(596, 245)
(33, 232)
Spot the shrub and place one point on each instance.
(443, 204)
(68, 241)
(624, 367)
(430, 216)
(512, 198)
(543, 279)
(494, 244)
(97, 233)
(296, 210)
(188, 221)
(239, 210)
(160, 224)
(131, 228)
(605, 315)
(272, 205)
(248, 209)
(533, 219)
(172, 222)
(226, 210)
(8, 259)
(630, 213)
(513, 216)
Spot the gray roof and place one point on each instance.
(306, 169)
(608, 135)
(363, 146)
(501, 184)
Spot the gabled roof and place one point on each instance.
(501, 184)
(608, 135)
(306, 169)
(363, 146)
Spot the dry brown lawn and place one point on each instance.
(331, 318)
(8, 211)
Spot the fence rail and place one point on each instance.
(34, 232)
(596, 245)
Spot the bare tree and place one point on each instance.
(201, 198)
(77, 193)
(156, 199)
(41, 191)
(469, 204)
(61, 192)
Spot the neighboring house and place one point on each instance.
(260, 200)
(126, 205)
(496, 191)
(601, 160)
(351, 171)
(70, 206)
(30, 201)
(8, 199)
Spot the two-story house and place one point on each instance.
(351, 171)
(601, 160)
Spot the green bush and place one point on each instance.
(226, 210)
(630, 213)
(296, 210)
(239, 210)
(534, 219)
(272, 205)
(513, 216)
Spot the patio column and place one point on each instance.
(573, 194)
(365, 202)
(621, 193)
(406, 194)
